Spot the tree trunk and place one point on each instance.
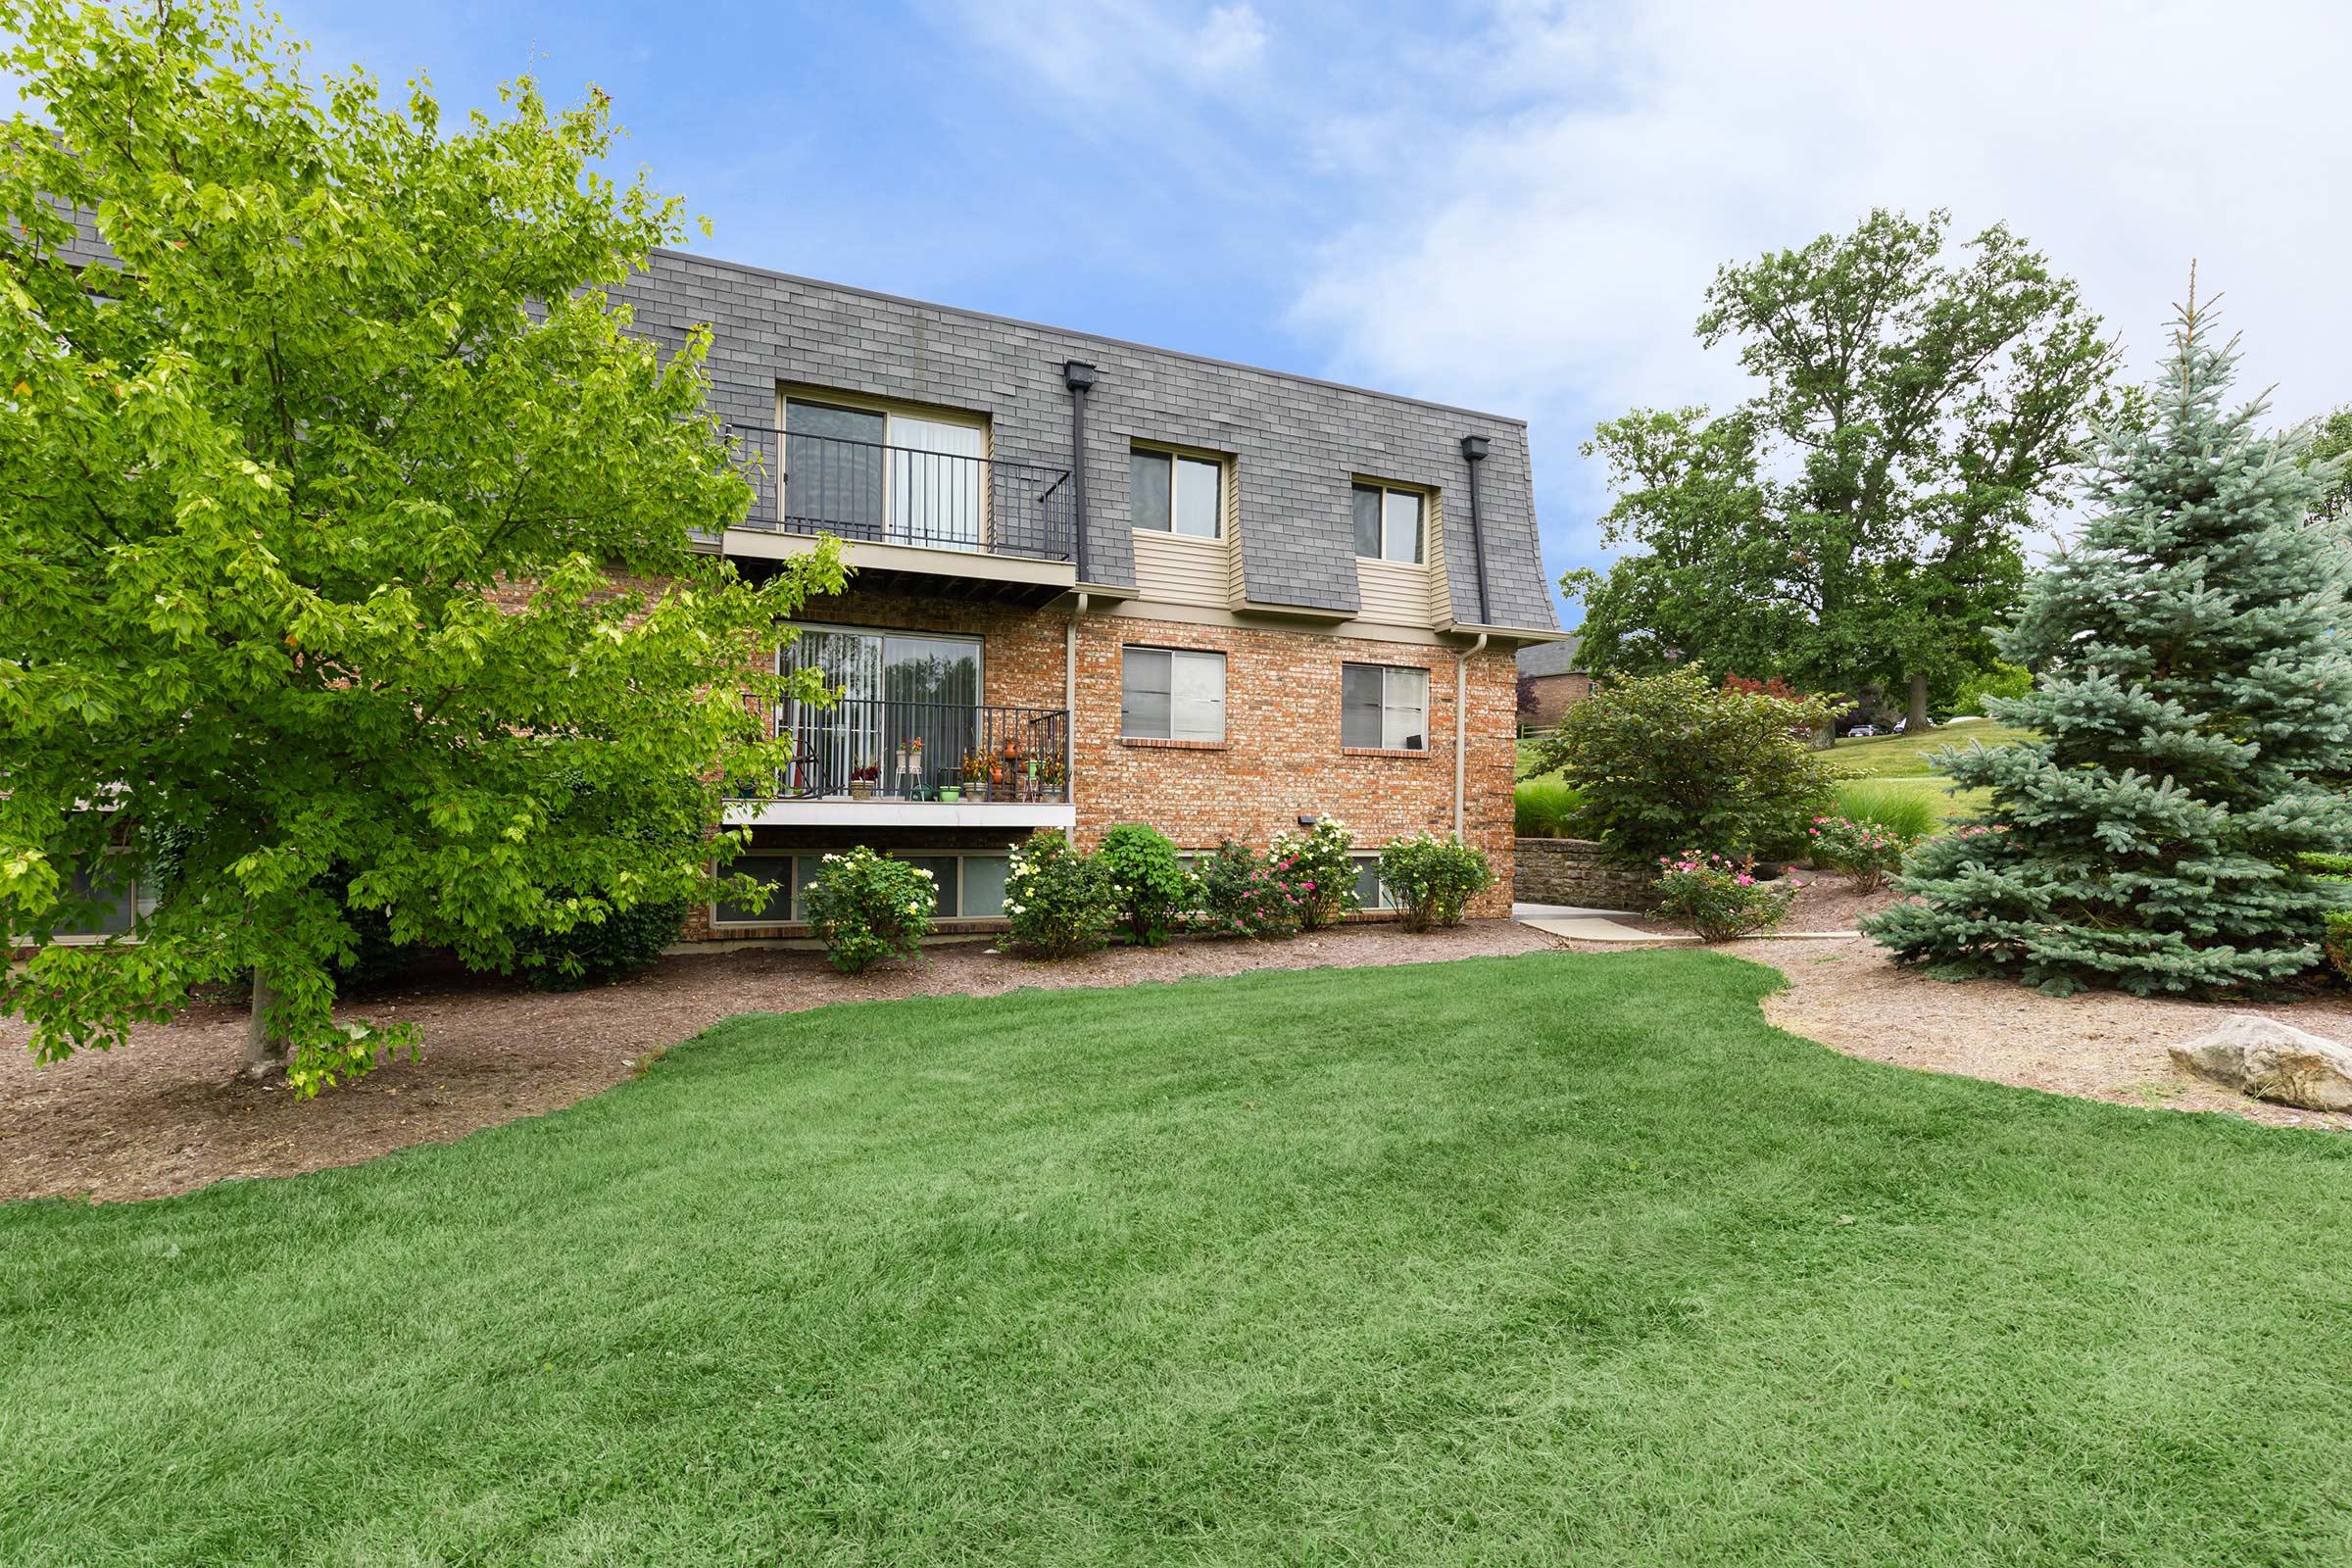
(1914, 718)
(264, 1048)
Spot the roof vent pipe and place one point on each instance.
(1079, 377)
(1474, 453)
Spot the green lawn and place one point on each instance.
(1906, 755)
(1559, 1258)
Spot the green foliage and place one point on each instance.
(1980, 688)
(1433, 879)
(1244, 894)
(1317, 863)
(1716, 896)
(2328, 459)
(608, 950)
(1060, 903)
(1544, 808)
(1669, 759)
(1891, 807)
(1858, 518)
(1146, 881)
(355, 374)
(2193, 709)
(1864, 851)
(867, 909)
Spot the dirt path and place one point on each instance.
(168, 1113)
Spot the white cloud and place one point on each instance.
(1545, 252)
(1232, 39)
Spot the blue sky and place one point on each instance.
(1513, 205)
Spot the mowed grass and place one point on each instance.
(1899, 762)
(1560, 1259)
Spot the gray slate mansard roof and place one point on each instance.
(1297, 440)
(1549, 659)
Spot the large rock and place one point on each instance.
(2272, 1061)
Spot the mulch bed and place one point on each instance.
(1848, 996)
(169, 1112)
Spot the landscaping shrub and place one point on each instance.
(866, 907)
(1242, 895)
(1317, 865)
(2002, 683)
(1147, 882)
(1060, 902)
(590, 953)
(1717, 897)
(1907, 814)
(1669, 759)
(1542, 808)
(1866, 853)
(1431, 878)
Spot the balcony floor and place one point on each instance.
(837, 812)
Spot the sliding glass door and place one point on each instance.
(880, 477)
(906, 714)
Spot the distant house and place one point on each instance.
(1547, 687)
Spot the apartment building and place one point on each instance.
(1098, 582)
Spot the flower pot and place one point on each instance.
(861, 789)
(951, 791)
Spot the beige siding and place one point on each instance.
(1440, 609)
(1392, 593)
(1176, 569)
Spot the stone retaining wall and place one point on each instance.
(1574, 871)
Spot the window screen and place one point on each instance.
(1172, 694)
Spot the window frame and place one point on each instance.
(143, 903)
(1127, 651)
(795, 914)
(1420, 495)
(891, 411)
(1216, 462)
(1361, 861)
(1388, 705)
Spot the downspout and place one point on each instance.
(1462, 712)
(1070, 705)
(1079, 377)
(1474, 453)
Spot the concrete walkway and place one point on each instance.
(1611, 925)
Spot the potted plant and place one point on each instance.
(1049, 776)
(975, 774)
(863, 777)
(910, 757)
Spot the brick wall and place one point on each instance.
(1574, 872)
(1281, 757)
(1551, 696)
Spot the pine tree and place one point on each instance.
(2193, 709)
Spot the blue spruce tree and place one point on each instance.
(2193, 715)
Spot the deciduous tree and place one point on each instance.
(1858, 519)
(347, 529)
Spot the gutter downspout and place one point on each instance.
(1474, 453)
(1461, 715)
(1079, 377)
(1069, 704)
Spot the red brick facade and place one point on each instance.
(1281, 757)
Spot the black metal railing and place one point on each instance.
(862, 749)
(874, 494)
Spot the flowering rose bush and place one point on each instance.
(866, 908)
(1147, 882)
(1060, 902)
(1717, 897)
(1864, 851)
(1431, 878)
(1317, 864)
(1243, 893)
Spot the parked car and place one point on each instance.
(1862, 732)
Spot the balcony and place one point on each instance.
(882, 761)
(943, 523)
